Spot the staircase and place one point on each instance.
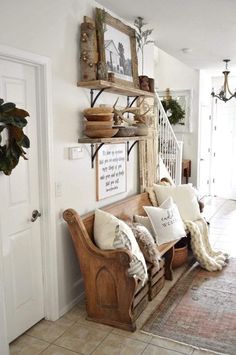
(170, 150)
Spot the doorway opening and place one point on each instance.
(41, 66)
(217, 171)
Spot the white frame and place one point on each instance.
(187, 95)
(42, 66)
(100, 183)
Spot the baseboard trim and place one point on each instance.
(70, 305)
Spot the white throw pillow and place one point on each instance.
(185, 198)
(166, 221)
(145, 221)
(106, 234)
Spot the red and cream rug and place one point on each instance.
(199, 310)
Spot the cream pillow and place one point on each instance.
(145, 221)
(166, 221)
(109, 232)
(185, 198)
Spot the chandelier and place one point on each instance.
(225, 88)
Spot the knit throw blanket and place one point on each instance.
(208, 258)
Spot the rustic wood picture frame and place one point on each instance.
(105, 20)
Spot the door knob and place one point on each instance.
(35, 215)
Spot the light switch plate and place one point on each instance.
(76, 152)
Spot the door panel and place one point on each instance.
(22, 281)
(21, 238)
(224, 149)
(205, 148)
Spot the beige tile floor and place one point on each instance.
(73, 334)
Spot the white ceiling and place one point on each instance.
(207, 27)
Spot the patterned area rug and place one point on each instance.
(200, 310)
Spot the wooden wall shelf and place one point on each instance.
(114, 88)
(100, 86)
(112, 140)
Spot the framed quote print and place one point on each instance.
(111, 174)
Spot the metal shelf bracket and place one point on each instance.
(94, 99)
(129, 148)
(130, 104)
(94, 153)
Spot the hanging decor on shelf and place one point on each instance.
(12, 122)
(88, 50)
(224, 91)
(174, 111)
(142, 37)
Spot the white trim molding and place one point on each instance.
(47, 193)
(4, 348)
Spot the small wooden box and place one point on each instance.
(141, 298)
(156, 279)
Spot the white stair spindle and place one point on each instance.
(170, 150)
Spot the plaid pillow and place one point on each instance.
(137, 267)
(146, 244)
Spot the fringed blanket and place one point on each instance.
(208, 258)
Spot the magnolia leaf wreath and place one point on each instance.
(12, 122)
(174, 111)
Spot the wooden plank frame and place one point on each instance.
(102, 19)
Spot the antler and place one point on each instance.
(120, 113)
(134, 110)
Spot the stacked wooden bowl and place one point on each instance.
(99, 122)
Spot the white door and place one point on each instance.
(224, 149)
(19, 195)
(205, 151)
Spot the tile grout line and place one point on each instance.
(59, 346)
(45, 348)
(53, 342)
(100, 342)
(144, 349)
(34, 337)
(81, 324)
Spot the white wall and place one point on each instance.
(51, 28)
(173, 74)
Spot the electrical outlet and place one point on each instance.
(76, 152)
